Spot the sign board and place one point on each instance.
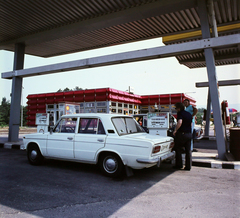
(158, 120)
(42, 119)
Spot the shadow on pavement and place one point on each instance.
(31, 190)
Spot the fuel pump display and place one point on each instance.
(158, 123)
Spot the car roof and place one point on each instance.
(95, 115)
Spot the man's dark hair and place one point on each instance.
(180, 106)
(186, 99)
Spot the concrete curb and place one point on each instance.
(210, 160)
(11, 145)
(217, 164)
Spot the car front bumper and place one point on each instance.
(157, 160)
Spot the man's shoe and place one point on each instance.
(185, 168)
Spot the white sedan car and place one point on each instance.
(111, 141)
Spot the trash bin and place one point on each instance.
(235, 142)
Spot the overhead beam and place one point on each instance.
(126, 57)
(112, 19)
(220, 83)
(230, 57)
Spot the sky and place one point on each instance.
(159, 76)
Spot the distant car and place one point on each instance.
(111, 141)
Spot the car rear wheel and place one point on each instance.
(34, 155)
(111, 165)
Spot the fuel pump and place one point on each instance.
(42, 122)
(225, 113)
(158, 123)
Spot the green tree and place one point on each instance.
(199, 115)
(2, 123)
(5, 111)
(77, 88)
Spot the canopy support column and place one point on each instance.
(212, 78)
(16, 94)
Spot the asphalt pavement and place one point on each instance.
(65, 189)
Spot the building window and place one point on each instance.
(101, 110)
(91, 104)
(101, 104)
(89, 110)
(119, 105)
(50, 106)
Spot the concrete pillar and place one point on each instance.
(15, 107)
(212, 78)
(208, 115)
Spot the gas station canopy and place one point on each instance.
(51, 28)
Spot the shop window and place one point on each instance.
(130, 111)
(120, 111)
(114, 110)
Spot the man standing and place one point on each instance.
(193, 111)
(183, 137)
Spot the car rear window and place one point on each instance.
(126, 125)
(91, 126)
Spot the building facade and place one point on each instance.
(104, 100)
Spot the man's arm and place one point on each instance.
(195, 110)
(179, 123)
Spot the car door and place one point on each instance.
(60, 142)
(90, 138)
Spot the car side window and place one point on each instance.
(91, 126)
(66, 125)
(101, 129)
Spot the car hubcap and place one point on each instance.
(110, 165)
(33, 155)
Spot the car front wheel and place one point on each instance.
(34, 155)
(111, 165)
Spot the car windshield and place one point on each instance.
(126, 125)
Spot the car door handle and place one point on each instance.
(100, 140)
(70, 138)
